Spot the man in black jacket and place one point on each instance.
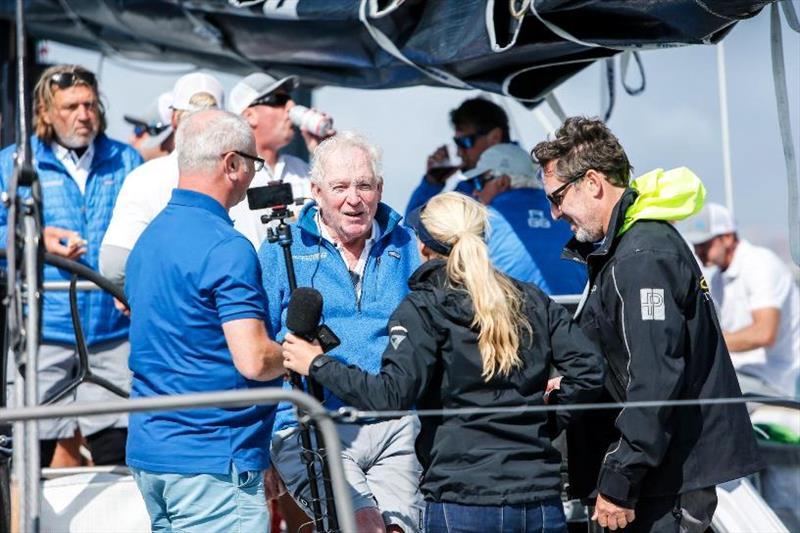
(649, 309)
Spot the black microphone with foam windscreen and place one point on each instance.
(303, 315)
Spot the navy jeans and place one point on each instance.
(546, 517)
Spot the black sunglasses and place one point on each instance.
(64, 80)
(480, 181)
(258, 163)
(272, 100)
(465, 142)
(557, 196)
(151, 130)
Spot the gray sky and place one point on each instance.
(675, 122)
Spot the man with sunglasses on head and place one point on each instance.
(148, 189)
(81, 172)
(648, 307)
(479, 124)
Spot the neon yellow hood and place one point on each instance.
(665, 195)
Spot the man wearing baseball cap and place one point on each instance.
(759, 308)
(152, 134)
(525, 242)
(264, 102)
(147, 190)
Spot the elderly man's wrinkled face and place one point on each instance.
(75, 116)
(349, 196)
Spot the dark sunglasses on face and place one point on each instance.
(479, 182)
(465, 142)
(151, 130)
(272, 100)
(64, 80)
(557, 196)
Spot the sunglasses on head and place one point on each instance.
(466, 142)
(272, 100)
(64, 80)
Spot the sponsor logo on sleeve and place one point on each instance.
(397, 334)
(652, 302)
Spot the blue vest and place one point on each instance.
(88, 214)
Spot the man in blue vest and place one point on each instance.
(80, 171)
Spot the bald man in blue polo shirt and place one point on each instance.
(197, 324)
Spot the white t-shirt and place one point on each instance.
(758, 279)
(148, 189)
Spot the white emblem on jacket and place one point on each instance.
(652, 304)
(397, 334)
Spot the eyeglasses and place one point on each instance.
(64, 80)
(258, 163)
(557, 196)
(272, 100)
(465, 142)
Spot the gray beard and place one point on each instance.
(585, 235)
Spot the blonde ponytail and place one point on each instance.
(461, 222)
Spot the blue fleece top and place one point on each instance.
(359, 323)
(64, 206)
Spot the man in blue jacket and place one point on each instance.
(352, 248)
(80, 171)
(478, 125)
(525, 241)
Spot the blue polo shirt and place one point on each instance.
(189, 273)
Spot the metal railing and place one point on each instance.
(241, 398)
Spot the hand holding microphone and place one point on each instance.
(309, 339)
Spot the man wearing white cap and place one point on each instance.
(525, 242)
(759, 308)
(152, 132)
(147, 190)
(264, 102)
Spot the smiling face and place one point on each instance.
(349, 195)
(574, 205)
(74, 115)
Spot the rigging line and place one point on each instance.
(350, 414)
(784, 123)
(624, 62)
(104, 45)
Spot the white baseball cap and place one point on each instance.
(191, 84)
(711, 221)
(508, 159)
(252, 87)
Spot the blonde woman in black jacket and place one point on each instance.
(468, 336)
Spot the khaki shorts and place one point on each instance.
(379, 463)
